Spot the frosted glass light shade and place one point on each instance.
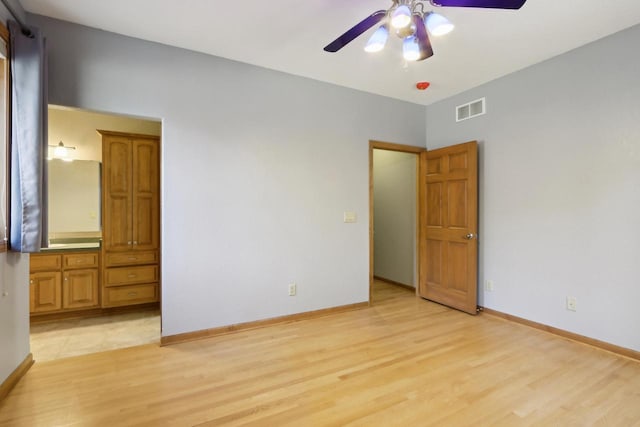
(61, 151)
(401, 17)
(411, 49)
(437, 24)
(377, 40)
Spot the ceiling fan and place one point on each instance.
(409, 20)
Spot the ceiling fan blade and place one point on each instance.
(490, 4)
(355, 31)
(426, 50)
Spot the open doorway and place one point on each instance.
(393, 216)
(84, 296)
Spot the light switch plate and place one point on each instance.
(350, 217)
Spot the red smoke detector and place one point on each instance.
(422, 85)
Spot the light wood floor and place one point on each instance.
(402, 362)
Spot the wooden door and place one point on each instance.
(146, 210)
(117, 225)
(80, 288)
(449, 226)
(45, 292)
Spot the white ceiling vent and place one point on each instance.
(470, 110)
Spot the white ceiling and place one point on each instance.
(289, 35)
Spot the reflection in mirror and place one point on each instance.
(74, 198)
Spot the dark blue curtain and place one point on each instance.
(28, 232)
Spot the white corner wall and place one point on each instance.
(258, 167)
(14, 311)
(394, 216)
(559, 188)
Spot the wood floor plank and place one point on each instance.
(402, 362)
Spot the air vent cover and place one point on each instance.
(470, 110)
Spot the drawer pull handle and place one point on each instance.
(132, 258)
(132, 294)
(131, 276)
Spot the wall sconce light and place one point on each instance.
(62, 152)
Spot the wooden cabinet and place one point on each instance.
(131, 218)
(45, 292)
(64, 281)
(80, 288)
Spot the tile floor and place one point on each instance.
(73, 337)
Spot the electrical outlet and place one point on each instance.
(572, 303)
(292, 289)
(488, 285)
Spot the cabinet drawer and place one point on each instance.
(129, 275)
(80, 260)
(45, 262)
(132, 294)
(131, 258)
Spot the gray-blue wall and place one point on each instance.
(560, 187)
(258, 167)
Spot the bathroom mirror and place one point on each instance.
(74, 196)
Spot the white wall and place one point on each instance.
(394, 216)
(559, 188)
(14, 311)
(14, 293)
(258, 167)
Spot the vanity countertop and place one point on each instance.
(71, 246)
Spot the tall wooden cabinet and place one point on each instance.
(130, 218)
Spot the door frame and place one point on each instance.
(390, 146)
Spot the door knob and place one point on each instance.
(470, 236)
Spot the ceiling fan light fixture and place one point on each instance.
(377, 40)
(437, 24)
(401, 17)
(407, 31)
(411, 49)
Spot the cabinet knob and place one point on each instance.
(31, 282)
(135, 242)
(129, 242)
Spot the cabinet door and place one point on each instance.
(45, 292)
(117, 226)
(80, 288)
(146, 215)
